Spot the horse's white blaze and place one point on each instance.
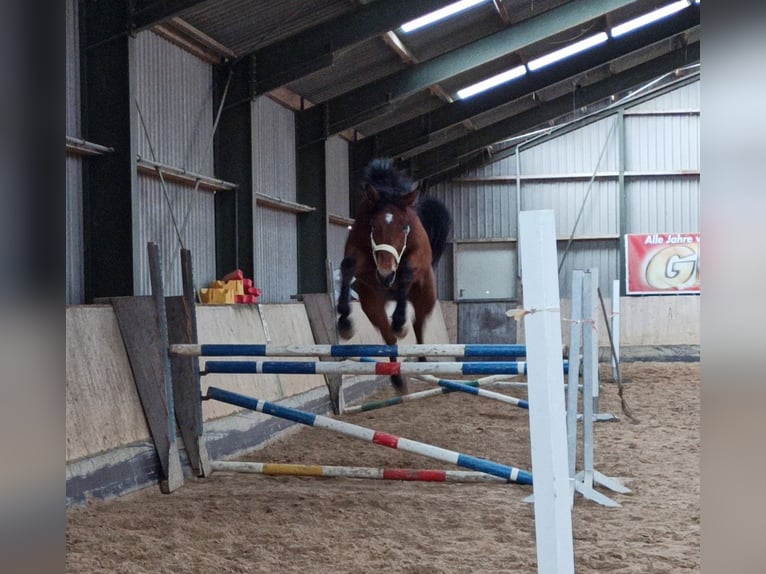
(389, 217)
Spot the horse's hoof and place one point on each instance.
(399, 383)
(345, 328)
(401, 332)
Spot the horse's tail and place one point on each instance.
(437, 222)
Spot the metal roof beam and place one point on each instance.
(354, 107)
(398, 139)
(311, 50)
(108, 21)
(437, 160)
(147, 13)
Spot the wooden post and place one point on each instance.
(182, 328)
(553, 516)
(615, 327)
(144, 329)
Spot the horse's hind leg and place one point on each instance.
(423, 300)
(347, 270)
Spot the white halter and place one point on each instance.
(390, 248)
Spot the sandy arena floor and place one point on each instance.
(254, 523)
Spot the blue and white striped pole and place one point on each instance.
(364, 368)
(345, 351)
(509, 473)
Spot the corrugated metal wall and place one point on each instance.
(662, 157)
(174, 94)
(274, 168)
(599, 204)
(74, 240)
(684, 98)
(479, 210)
(661, 185)
(337, 185)
(663, 206)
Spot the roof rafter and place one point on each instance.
(107, 21)
(311, 50)
(440, 159)
(402, 137)
(354, 107)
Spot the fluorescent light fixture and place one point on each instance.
(567, 51)
(439, 14)
(484, 85)
(649, 17)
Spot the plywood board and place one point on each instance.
(233, 324)
(143, 325)
(320, 308)
(103, 410)
(659, 320)
(289, 324)
(435, 330)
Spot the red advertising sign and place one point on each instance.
(662, 263)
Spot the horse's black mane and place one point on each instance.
(390, 182)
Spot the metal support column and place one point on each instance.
(312, 226)
(622, 199)
(109, 117)
(233, 162)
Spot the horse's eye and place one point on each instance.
(406, 228)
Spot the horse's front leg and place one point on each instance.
(403, 284)
(347, 270)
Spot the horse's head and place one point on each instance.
(390, 225)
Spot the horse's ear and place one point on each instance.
(370, 193)
(411, 197)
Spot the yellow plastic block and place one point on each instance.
(236, 286)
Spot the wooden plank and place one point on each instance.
(182, 327)
(319, 308)
(175, 476)
(321, 313)
(485, 322)
(147, 352)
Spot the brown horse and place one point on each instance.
(391, 251)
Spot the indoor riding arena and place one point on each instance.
(383, 286)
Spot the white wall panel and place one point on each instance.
(567, 198)
(193, 213)
(273, 128)
(684, 98)
(479, 211)
(574, 152)
(276, 268)
(662, 143)
(338, 193)
(336, 176)
(174, 93)
(661, 206)
(602, 255)
(275, 237)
